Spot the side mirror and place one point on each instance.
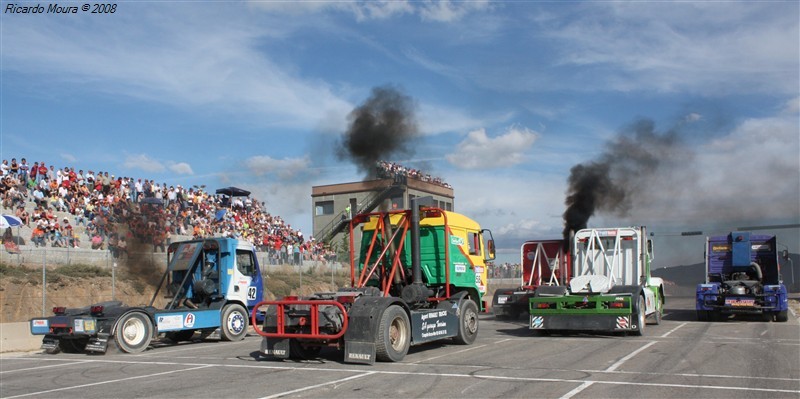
(650, 249)
(490, 244)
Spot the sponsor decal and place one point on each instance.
(502, 299)
(78, 325)
(456, 240)
(537, 322)
(478, 269)
(461, 268)
(40, 323)
(359, 356)
(189, 320)
(740, 302)
(720, 247)
(622, 323)
(170, 322)
(275, 352)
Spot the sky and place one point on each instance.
(691, 107)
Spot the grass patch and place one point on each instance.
(13, 271)
(82, 271)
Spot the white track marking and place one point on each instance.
(44, 367)
(577, 390)
(107, 382)
(673, 330)
(630, 355)
(429, 374)
(352, 377)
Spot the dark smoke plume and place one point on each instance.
(618, 180)
(383, 126)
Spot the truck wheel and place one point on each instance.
(394, 335)
(782, 316)
(702, 315)
(233, 326)
(640, 318)
(467, 323)
(134, 332)
(659, 313)
(178, 336)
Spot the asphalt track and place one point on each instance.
(679, 358)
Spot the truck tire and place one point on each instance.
(178, 336)
(640, 317)
(394, 335)
(233, 326)
(659, 313)
(134, 332)
(702, 315)
(467, 323)
(782, 316)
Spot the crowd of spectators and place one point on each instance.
(505, 270)
(388, 170)
(120, 212)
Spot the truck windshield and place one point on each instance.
(185, 255)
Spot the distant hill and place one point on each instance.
(688, 276)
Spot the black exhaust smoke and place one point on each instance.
(383, 126)
(633, 163)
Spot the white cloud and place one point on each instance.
(143, 162)
(181, 168)
(708, 48)
(167, 61)
(692, 117)
(480, 151)
(792, 106)
(286, 168)
(449, 11)
(68, 157)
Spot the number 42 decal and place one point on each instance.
(251, 293)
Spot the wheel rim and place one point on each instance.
(397, 334)
(236, 323)
(133, 331)
(471, 322)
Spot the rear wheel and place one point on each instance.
(467, 323)
(640, 318)
(234, 323)
(659, 313)
(134, 332)
(394, 335)
(782, 316)
(702, 315)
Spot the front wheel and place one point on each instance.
(134, 332)
(394, 335)
(234, 323)
(640, 318)
(467, 323)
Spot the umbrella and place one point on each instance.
(220, 214)
(233, 192)
(9, 221)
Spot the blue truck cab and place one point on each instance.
(742, 277)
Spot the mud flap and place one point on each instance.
(275, 347)
(49, 343)
(362, 329)
(98, 344)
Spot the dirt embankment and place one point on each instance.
(21, 288)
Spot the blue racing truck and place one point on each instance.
(211, 285)
(742, 277)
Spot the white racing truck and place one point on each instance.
(611, 288)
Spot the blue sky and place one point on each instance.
(508, 96)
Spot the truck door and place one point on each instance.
(246, 284)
